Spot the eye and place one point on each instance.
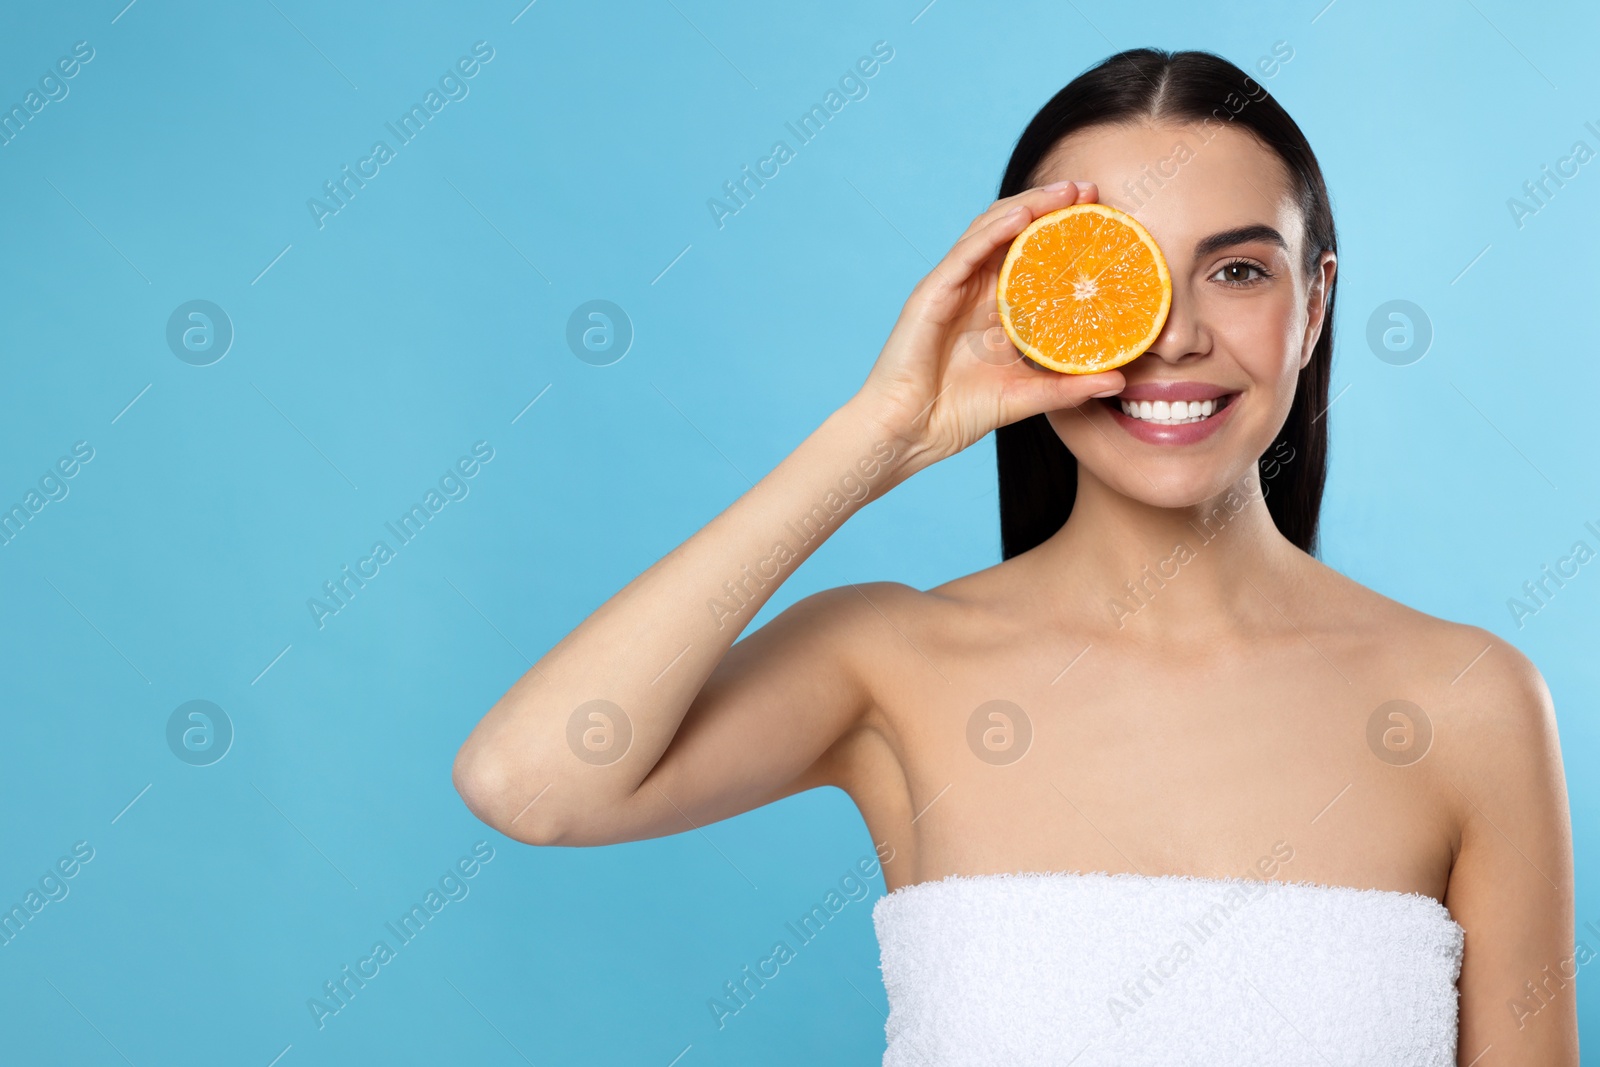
(1235, 268)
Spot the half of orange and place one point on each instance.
(1084, 289)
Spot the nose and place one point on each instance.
(1183, 336)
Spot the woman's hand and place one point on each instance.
(948, 373)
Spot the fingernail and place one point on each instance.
(1108, 392)
(1016, 211)
(1057, 186)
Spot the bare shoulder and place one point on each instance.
(1494, 766)
(1490, 711)
(907, 650)
(870, 630)
(906, 647)
(1497, 729)
(881, 616)
(863, 615)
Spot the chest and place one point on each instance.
(1207, 769)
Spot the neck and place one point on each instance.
(1172, 574)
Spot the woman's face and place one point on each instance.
(1244, 319)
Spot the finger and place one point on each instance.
(939, 294)
(942, 294)
(1035, 202)
(977, 249)
(1030, 392)
(1040, 200)
(981, 242)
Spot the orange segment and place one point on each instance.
(1084, 289)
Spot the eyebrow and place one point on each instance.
(1238, 236)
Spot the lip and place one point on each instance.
(1189, 433)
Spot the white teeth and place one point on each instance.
(1173, 413)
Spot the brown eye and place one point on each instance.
(1236, 273)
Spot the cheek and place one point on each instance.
(1072, 427)
(1263, 338)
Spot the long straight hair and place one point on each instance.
(1038, 474)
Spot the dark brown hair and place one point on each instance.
(1038, 475)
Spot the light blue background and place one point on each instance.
(428, 313)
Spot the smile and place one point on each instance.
(1173, 413)
(1172, 422)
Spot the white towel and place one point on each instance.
(1120, 970)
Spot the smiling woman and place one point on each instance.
(1067, 795)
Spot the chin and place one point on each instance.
(1168, 470)
(1176, 485)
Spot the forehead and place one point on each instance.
(1181, 182)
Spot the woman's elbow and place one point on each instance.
(494, 794)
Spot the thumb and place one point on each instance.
(1039, 390)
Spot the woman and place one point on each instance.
(1160, 787)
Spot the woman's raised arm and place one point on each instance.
(641, 721)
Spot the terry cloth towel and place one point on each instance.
(1096, 970)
